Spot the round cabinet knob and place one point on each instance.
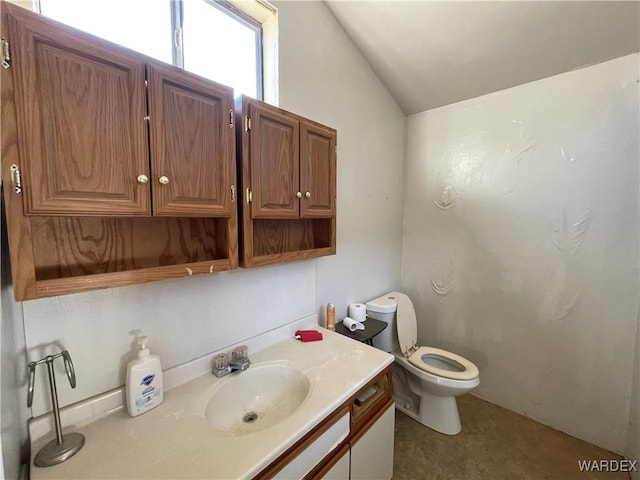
(143, 179)
(308, 194)
(299, 194)
(163, 180)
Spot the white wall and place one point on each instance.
(13, 399)
(185, 318)
(632, 447)
(520, 243)
(322, 76)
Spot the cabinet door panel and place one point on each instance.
(192, 144)
(80, 116)
(274, 147)
(372, 453)
(317, 170)
(340, 468)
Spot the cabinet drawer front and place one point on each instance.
(370, 399)
(192, 144)
(275, 163)
(80, 118)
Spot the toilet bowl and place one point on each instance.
(429, 379)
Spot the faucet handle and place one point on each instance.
(221, 361)
(240, 353)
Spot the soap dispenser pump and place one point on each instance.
(143, 384)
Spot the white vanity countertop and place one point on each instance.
(174, 440)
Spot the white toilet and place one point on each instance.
(429, 379)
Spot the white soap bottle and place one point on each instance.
(144, 380)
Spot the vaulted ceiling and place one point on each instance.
(433, 53)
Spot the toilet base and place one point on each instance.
(439, 414)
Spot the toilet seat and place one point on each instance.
(432, 360)
(455, 366)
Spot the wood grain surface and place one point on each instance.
(63, 286)
(80, 117)
(76, 246)
(268, 236)
(275, 163)
(283, 236)
(317, 170)
(72, 120)
(18, 225)
(192, 140)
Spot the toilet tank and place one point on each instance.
(384, 308)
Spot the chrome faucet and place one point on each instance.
(239, 361)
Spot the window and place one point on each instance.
(237, 63)
(205, 37)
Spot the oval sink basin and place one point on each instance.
(258, 398)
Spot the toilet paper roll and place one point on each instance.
(352, 324)
(358, 312)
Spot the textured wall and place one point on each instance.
(520, 243)
(322, 76)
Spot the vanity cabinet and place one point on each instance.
(117, 169)
(287, 171)
(363, 450)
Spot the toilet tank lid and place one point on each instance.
(387, 303)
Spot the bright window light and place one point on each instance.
(141, 25)
(220, 47)
(216, 43)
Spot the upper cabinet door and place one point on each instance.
(80, 117)
(317, 170)
(274, 150)
(192, 144)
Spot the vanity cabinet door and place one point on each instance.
(302, 465)
(372, 448)
(192, 141)
(338, 468)
(274, 151)
(317, 170)
(80, 108)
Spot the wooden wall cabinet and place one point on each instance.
(117, 169)
(287, 172)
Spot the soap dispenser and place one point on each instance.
(144, 380)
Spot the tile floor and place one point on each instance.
(495, 444)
